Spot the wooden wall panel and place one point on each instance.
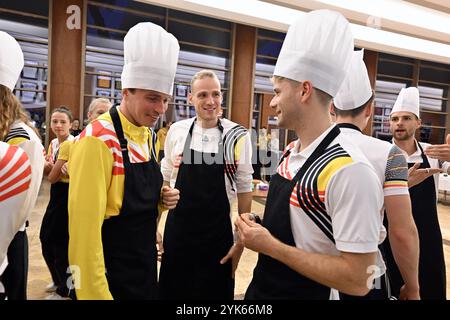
(371, 61)
(266, 110)
(243, 75)
(65, 61)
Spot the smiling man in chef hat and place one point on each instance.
(322, 218)
(115, 181)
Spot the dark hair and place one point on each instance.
(65, 110)
(324, 98)
(164, 123)
(355, 112)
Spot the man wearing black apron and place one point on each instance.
(353, 107)
(210, 160)
(322, 221)
(405, 121)
(116, 183)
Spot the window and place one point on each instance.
(109, 21)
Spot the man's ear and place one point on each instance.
(190, 98)
(369, 108)
(419, 122)
(332, 112)
(307, 90)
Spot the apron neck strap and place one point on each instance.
(119, 132)
(317, 152)
(191, 130)
(426, 163)
(349, 126)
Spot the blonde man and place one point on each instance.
(209, 160)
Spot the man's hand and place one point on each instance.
(253, 235)
(439, 151)
(235, 255)
(159, 245)
(416, 176)
(170, 197)
(408, 293)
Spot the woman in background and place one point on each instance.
(54, 233)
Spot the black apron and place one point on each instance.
(198, 232)
(55, 224)
(271, 278)
(129, 239)
(432, 278)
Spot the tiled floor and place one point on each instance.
(39, 276)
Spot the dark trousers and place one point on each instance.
(15, 276)
(57, 260)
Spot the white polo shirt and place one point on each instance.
(390, 166)
(349, 200)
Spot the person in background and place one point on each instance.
(54, 233)
(209, 160)
(96, 108)
(115, 181)
(353, 107)
(423, 189)
(16, 129)
(322, 221)
(75, 128)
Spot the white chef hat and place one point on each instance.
(318, 47)
(356, 89)
(151, 57)
(11, 60)
(407, 100)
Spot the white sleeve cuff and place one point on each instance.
(357, 247)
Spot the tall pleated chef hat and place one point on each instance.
(151, 57)
(318, 47)
(407, 100)
(356, 89)
(11, 60)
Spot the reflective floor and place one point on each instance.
(39, 276)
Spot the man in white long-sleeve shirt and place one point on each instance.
(209, 160)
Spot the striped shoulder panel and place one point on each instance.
(104, 130)
(310, 190)
(230, 140)
(17, 133)
(15, 173)
(396, 174)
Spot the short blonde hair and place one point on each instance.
(203, 74)
(94, 102)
